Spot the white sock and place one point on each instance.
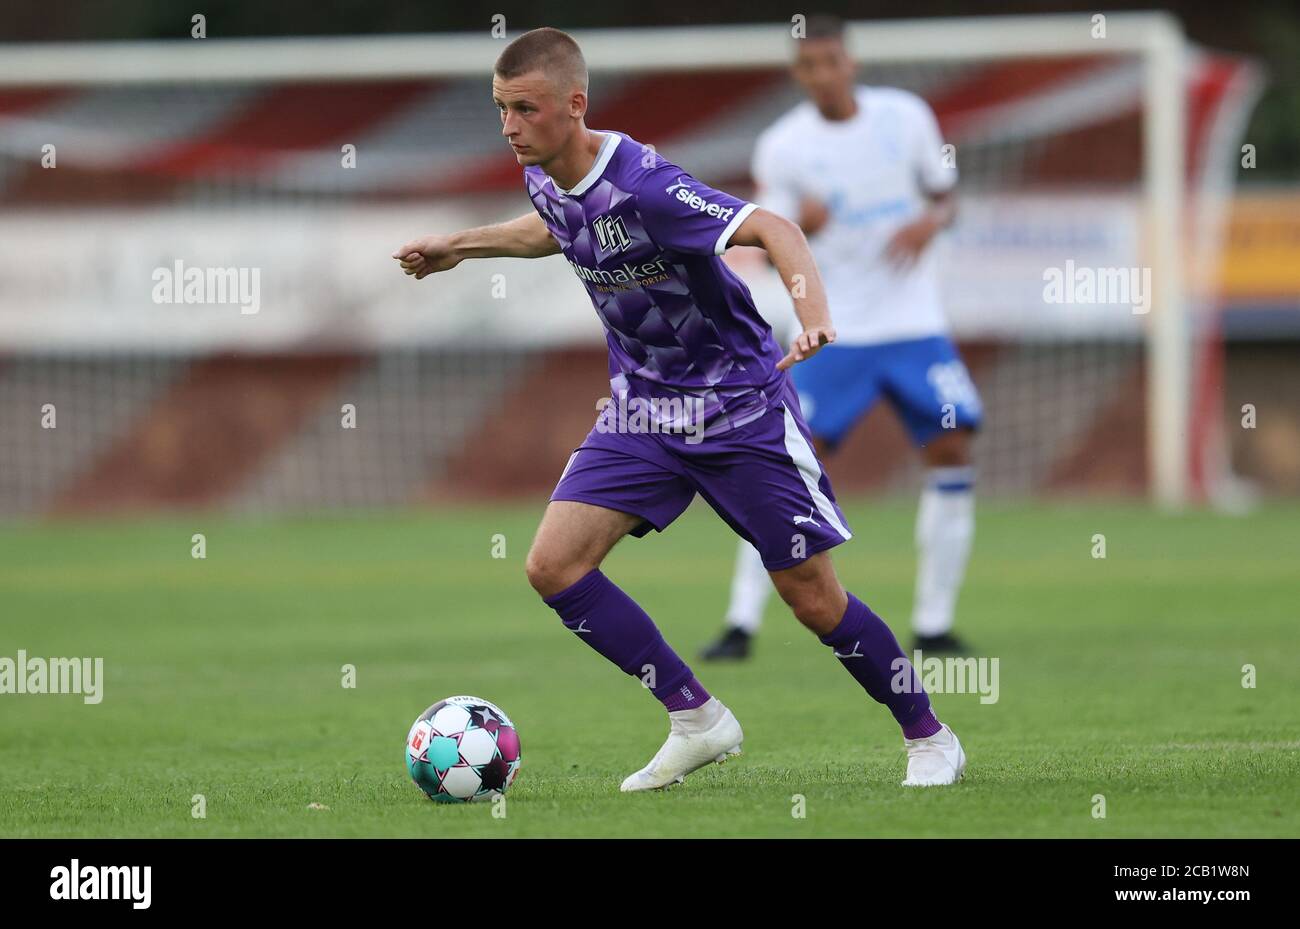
(750, 588)
(945, 526)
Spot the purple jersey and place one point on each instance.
(644, 238)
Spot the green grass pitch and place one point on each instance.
(1119, 676)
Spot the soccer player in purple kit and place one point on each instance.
(719, 415)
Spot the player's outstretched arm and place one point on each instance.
(788, 249)
(525, 237)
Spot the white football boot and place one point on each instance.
(696, 737)
(935, 760)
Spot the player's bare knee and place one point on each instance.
(948, 450)
(818, 611)
(803, 602)
(538, 570)
(549, 574)
(813, 594)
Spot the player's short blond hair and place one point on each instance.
(550, 51)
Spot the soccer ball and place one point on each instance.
(462, 749)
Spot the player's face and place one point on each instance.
(824, 70)
(536, 118)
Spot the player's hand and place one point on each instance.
(808, 344)
(428, 255)
(907, 244)
(813, 215)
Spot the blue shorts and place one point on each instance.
(762, 478)
(924, 379)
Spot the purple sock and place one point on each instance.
(868, 650)
(613, 624)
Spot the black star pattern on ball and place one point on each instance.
(493, 774)
(487, 717)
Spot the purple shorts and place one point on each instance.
(762, 478)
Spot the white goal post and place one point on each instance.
(1155, 39)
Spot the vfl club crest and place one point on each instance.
(611, 234)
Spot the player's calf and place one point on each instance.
(563, 566)
(945, 528)
(813, 593)
(868, 650)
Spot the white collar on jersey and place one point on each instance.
(602, 161)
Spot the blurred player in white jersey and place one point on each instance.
(863, 171)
